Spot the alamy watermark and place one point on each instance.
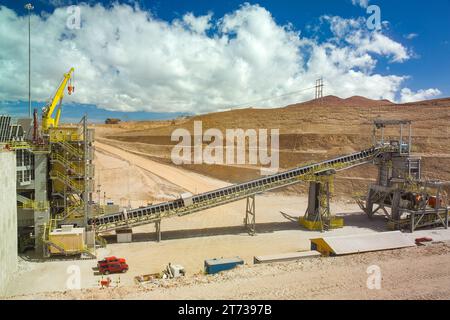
(73, 282)
(374, 279)
(73, 21)
(234, 147)
(374, 20)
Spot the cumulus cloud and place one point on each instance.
(411, 36)
(126, 59)
(353, 32)
(407, 95)
(361, 3)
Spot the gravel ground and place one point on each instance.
(413, 273)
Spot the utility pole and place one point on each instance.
(29, 7)
(319, 89)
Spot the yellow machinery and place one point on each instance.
(71, 172)
(48, 121)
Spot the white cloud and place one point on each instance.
(197, 24)
(407, 95)
(361, 3)
(128, 60)
(411, 36)
(353, 32)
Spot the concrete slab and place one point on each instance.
(351, 244)
(284, 257)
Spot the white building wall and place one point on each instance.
(8, 218)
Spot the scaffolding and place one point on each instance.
(407, 201)
(71, 172)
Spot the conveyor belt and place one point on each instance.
(146, 215)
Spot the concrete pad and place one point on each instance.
(293, 256)
(362, 243)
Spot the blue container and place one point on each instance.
(213, 266)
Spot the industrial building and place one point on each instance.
(8, 218)
(54, 173)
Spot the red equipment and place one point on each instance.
(112, 265)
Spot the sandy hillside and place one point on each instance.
(310, 131)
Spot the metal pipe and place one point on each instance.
(410, 138)
(401, 138)
(29, 7)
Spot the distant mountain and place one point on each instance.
(333, 101)
(429, 103)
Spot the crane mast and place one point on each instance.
(48, 121)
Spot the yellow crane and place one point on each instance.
(48, 121)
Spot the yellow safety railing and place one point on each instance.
(68, 164)
(67, 180)
(34, 205)
(72, 211)
(101, 240)
(74, 151)
(65, 135)
(17, 145)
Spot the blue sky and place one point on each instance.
(421, 30)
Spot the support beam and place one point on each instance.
(158, 230)
(446, 218)
(250, 216)
(318, 214)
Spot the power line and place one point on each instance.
(271, 98)
(319, 88)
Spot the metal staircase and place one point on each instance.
(69, 165)
(71, 171)
(70, 212)
(74, 185)
(71, 149)
(29, 204)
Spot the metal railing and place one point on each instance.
(71, 211)
(71, 149)
(78, 187)
(34, 205)
(62, 135)
(67, 164)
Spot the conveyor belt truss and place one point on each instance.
(200, 202)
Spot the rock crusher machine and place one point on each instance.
(408, 201)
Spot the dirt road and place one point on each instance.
(189, 181)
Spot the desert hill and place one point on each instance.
(309, 131)
(333, 101)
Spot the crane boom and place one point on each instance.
(48, 121)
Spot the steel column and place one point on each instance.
(250, 216)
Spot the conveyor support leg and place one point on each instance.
(158, 230)
(250, 216)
